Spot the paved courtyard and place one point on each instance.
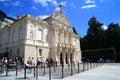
(105, 72)
(109, 71)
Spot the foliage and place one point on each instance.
(98, 38)
(113, 36)
(95, 55)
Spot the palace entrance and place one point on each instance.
(66, 54)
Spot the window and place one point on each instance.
(40, 52)
(74, 42)
(20, 33)
(39, 34)
(13, 36)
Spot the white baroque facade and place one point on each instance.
(32, 37)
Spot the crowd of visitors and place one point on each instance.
(40, 60)
(19, 61)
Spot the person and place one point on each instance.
(4, 61)
(17, 61)
(55, 62)
(101, 60)
(29, 61)
(50, 61)
(22, 62)
(1, 67)
(42, 60)
(33, 61)
(38, 61)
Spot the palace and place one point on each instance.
(32, 37)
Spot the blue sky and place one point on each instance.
(78, 12)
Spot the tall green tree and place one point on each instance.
(113, 36)
(94, 35)
(98, 38)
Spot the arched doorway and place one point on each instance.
(61, 58)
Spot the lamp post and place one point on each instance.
(36, 54)
(36, 64)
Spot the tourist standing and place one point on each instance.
(29, 61)
(33, 61)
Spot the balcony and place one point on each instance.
(64, 45)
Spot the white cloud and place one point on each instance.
(90, 2)
(43, 16)
(44, 3)
(54, 3)
(104, 27)
(63, 3)
(88, 6)
(33, 7)
(57, 9)
(17, 3)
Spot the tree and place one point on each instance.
(113, 36)
(94, 35)
(98, 38)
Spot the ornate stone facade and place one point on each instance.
(32, 37)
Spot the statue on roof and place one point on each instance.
(61, 8)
